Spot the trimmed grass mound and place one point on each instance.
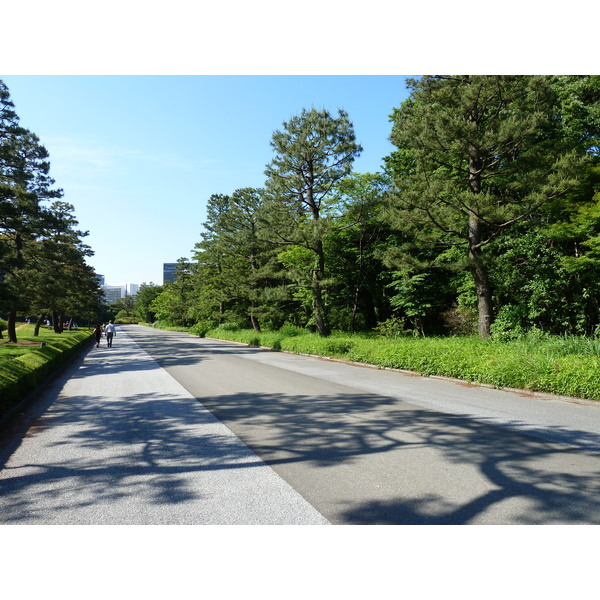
(24, 366)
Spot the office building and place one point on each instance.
(169, 272)
(112, 293)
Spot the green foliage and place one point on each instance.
(488, 206)
(146, 294)
(230, 326)
(477, 154)
(392, 327)
(564, 365)
(22, 368)
(42, 255)
(312, 154)
(201, 328)
(289, 330)
(124, 319)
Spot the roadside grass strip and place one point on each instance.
(24, 367)
(566, 366)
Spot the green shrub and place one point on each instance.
(392, 327)
(126, 320)
(25, 371)
(166, 326)
(566, 365)
(338, 347)
(201, 328)
(229, 326)
(289, 330)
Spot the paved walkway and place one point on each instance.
(123, 443)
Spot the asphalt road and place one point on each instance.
(295, 440)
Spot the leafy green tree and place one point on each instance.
(478, 154)
(235, 278)
(211, 282)
(174, 301)
(147, 292)
(353, 252)
(546, 274)
(313, 152)
(55, 278)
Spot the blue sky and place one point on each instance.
(139, 156)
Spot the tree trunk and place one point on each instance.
(56, 322)
(11, 329)
(38, 324)
(254, 320)
(318, 307)
(480, 277)
(482, 284)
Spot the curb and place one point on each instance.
(526, 393)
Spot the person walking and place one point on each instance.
(98, 334)
(110, 330)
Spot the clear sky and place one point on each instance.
(139, 156)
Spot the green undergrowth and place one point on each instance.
(568, 366)
(164, 326)
(24, 367)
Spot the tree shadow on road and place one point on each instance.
(555, 483)
(116, 449)
(430, 467)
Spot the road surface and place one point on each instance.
(168, 428)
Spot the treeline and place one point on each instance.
(485, 218)
(43, 272)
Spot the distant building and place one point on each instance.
(100, 279)
(131, 289)
(112, 293)
(169, 272)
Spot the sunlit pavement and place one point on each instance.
(121, 442)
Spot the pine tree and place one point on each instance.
(477, 154)
(313, 152)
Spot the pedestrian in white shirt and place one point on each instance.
(110, 330)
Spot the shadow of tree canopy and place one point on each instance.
(358, 458)
(484, 473)
(553, 483)
(116, 449)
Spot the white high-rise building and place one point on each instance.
(131, 289)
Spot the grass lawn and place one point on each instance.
(26, 364)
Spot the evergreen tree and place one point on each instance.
(354, 252)
(313, 152)
(477, 154)
(144, 298)
(25, 184)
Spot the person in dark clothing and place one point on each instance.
(98, 334)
